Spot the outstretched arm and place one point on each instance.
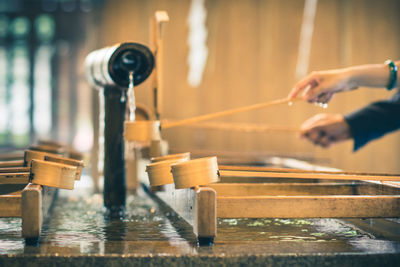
(320, 86)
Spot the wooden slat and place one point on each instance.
(288, 170)
(31, 213)
(53, 149)
(12, 156)
(246, 179)
(240, 180)
(68, 161)
(53, 174)
(14, 170)
(302, 189)
(308, 207)
(14, 178)
(325, 176)
(13, 163)
(10, 205)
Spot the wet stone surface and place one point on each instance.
(79, 226)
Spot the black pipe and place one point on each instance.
(114, 163)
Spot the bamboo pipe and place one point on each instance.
(226, 113)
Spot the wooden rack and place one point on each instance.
(257, 196)
(31, 202)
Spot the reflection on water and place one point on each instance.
(79, 226)
(297, 230)
(79, 222)
(10, 235)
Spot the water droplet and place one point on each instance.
(123, 98)
(322, 105)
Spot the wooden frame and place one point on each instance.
(28, 201)
(32, 204)
(329, 201)
(268, 197)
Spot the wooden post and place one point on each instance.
(114, 164)
(31, 211)
(156, 41)
(132, 159)
(205, 223)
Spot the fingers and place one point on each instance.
(303, 87)
(319, 137)
(325, 129)
(310, 90)
(319, 86)
(326, 141)
(317, 95)
(322, 98)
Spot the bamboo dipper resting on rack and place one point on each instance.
(150, 130)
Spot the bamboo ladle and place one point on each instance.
(148, 130)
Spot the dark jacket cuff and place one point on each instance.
(374, 120)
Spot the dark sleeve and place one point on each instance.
(374, 120)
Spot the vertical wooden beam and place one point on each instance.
(157, 21)
(205, 223)
(31, 211)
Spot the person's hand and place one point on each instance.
(320, 86)
(325, 129)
